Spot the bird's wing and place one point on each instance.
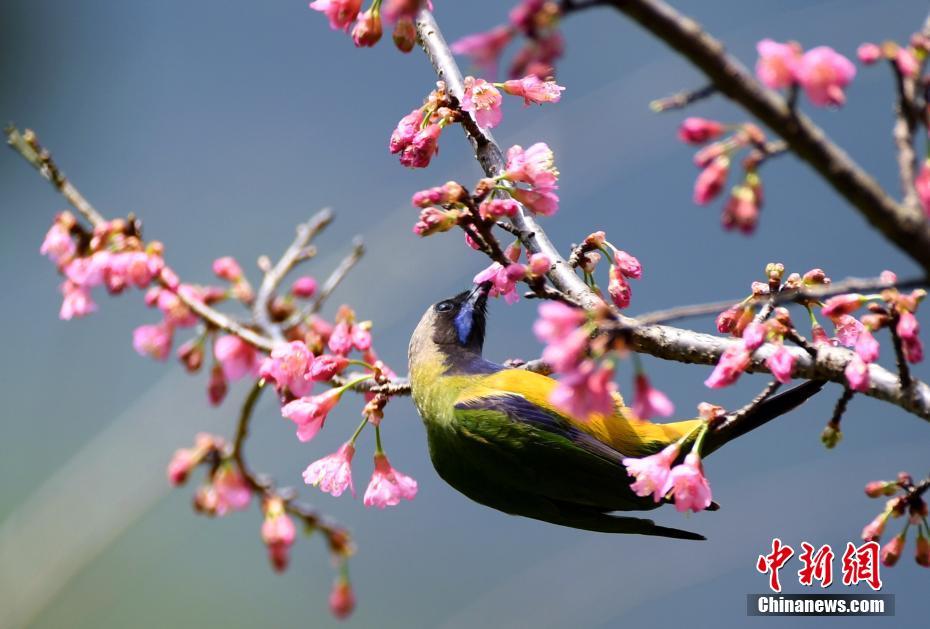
(526, 460)
(622, 431)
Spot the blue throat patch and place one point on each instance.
(463, 322)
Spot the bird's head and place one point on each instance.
(453, 326)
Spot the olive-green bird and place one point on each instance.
(494, 436)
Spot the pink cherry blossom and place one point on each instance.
(367, 31)
(278, 533)
(823, 73)
(534, 166)
(504, 280)
(585, 391)
(627, 264)
(333, 473)
(237, 358)
(498, 208)
(217, 386)
(534, 90)
(484, 48)
(777, 63)
(539, 264)
(908, 329)
(309, 413)
(483, 101)
(872, 531)
(341, 13)
(542, 202)
(340, 341)
(651, 472)
(711, 180)
(688, 485)
(77, 301)
(395, 10)
(891, 551)
(388, 486)
(556, 321)
(183, 461)
(422, 147)
(341, 599)
(842, 305)
(176, 311)
(868, 53)
(304, 287)
(848, 329)
(288, 367)
(906, 62)
(857, 374)
(88, 271)
(618, 288)
(700, 130)
(232, 491)
(433, 220)
(753, 335)
(741, 210)
(326, 366)
(406, 130)
(922, 183)
(153, 340)
(226, 268)
(648, 401)
(733, 362)
(58, 244)
(781, 362)
(867, 346)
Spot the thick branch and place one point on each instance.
(903, 226)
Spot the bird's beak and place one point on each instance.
(479, 294)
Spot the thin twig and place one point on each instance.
(332, 282)
(264, 486)
(733, 419)
(904, 372)
(27, 145)
(294, 254)
(682, 99)
(814, 293)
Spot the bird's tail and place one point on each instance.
(765, 412)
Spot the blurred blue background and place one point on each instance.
(223, 124)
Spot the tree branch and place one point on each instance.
(849, 285)
(902, 225)
(664, 342)
(332, 282)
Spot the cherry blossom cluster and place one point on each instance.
(416, 138)
(821, 72)
(666, 477)
(111, 255)
(889, 309)
(536, 22)
(313, 353)
(294, 367)
(622, 267)
(741, 211)
(368, 29)
(904, 500)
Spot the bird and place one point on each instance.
(494, 436)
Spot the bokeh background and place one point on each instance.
(223, 124)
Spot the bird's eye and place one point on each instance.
(444, 306)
